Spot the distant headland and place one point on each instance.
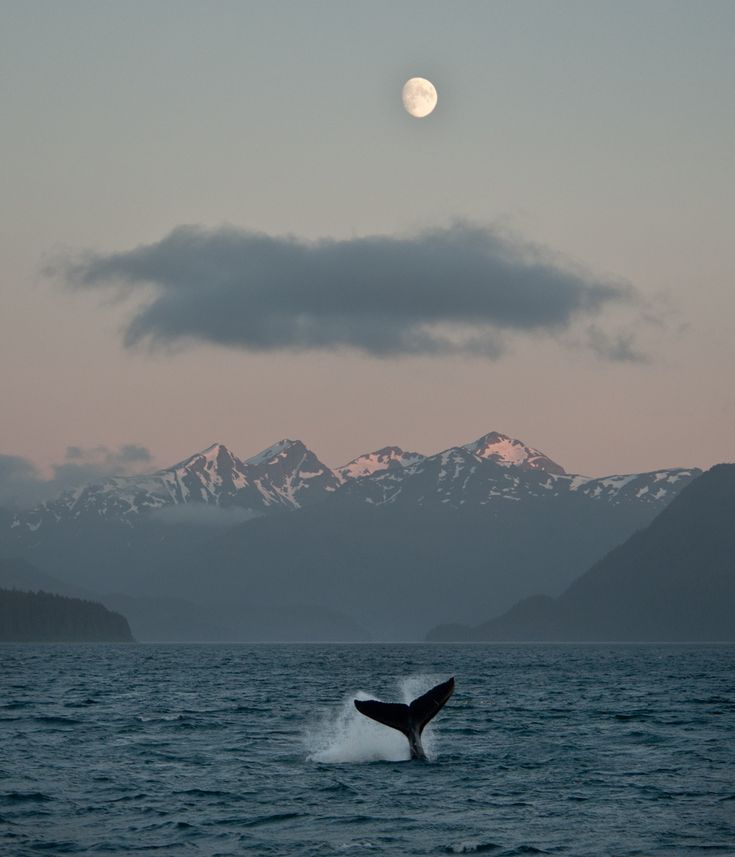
(41, 617)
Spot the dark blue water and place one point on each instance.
(229, 750)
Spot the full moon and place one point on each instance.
(419, 97)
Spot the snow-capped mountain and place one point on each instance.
(457, 478)
(498, 468)
(288, 476)
(285, 476)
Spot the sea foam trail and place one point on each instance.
(347, 736)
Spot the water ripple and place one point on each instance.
(204, 750)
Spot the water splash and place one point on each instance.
(346, 736)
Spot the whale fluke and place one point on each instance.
(409, 719)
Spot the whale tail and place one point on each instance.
(409, 719)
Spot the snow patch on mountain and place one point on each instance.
(650, 487)
(375, 462)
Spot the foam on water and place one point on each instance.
(345, 735)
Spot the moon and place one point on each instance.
(419, 96)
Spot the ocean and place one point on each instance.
(258, 749)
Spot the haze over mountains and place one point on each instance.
(674, 580)
(386, 545)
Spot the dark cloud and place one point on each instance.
(443, 291)
(23, 486)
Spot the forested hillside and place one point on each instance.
(43, 617)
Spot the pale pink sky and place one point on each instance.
(602, 134)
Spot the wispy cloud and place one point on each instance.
(457, 290)
(617, 347)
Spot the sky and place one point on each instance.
(219, 224)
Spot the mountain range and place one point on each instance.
(289, 476)
(386, 545)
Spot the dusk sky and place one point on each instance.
(220, 224)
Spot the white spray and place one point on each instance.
(348, 736)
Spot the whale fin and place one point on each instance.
(408, 718)
(391, 714)
(431, 703)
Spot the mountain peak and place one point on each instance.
(274, 451)
(289, 474)
(213, 452)
(206, 457)
(509, 452)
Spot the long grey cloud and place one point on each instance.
(442, 291)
